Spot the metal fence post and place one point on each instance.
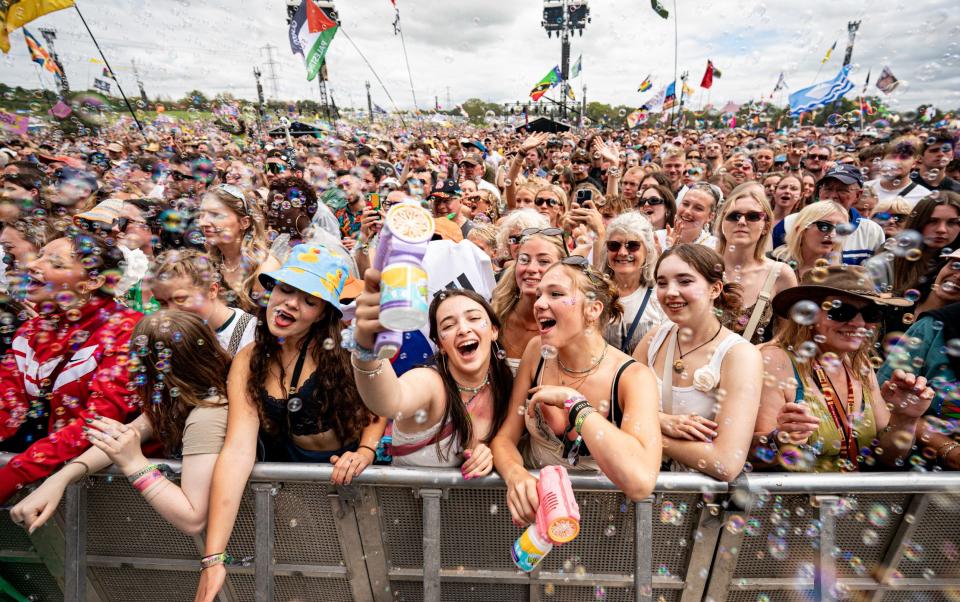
(264, 494)
(825, 570)
(75, 549)
(431, 544)
(643, 540)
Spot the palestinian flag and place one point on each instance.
(550, 80)
(311, 32)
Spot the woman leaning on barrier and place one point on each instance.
(182, 384)
(709, 377)
(822, 409)
(583, 402)
(444, 414)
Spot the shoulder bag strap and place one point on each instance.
(625, 341)
(666, 383)
(907, 190)
(762, 301)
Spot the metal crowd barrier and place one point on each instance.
(416, 534)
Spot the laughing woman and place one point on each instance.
(585, 404)
(710, 377)
(444, 414)
(313, 414)
(695, 212)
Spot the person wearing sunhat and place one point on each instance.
(292, 395)
(844, 184)
(822, 407)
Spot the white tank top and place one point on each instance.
(688, 400)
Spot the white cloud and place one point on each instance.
(496, 50)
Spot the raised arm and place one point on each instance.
(741, 377)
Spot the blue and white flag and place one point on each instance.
(820, 95)
(577, 67)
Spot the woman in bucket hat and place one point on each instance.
(294, 388)
(822, 408)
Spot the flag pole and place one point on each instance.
(406, 59)
(676, 44)
(107, 63)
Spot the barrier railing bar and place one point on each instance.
(343, 505)
(643, 544)
(799, 584)
(371, 530)
(535, 584)
(905, 530)
(513, 577)
(154, 564)
(849, 483)
(706, 535)
(431, 543)
(264, 494)
(824, 563)
(20, 556)
(75, 545)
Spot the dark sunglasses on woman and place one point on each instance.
(825, 227)
(750, 216)
(891, 217)
(549, 202)
(614, 246)
(653, 201)
(871, 312)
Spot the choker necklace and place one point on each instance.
(588, 370)
(473, 390)
(679, 366)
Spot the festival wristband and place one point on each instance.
(214, 559)
(148, 480)
(146, 469)
(581, 417)
(578, 406)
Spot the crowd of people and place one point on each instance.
(622, 302)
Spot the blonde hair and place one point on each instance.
(506, 295)
(806, 217)
(752, 190)
(896, 205)
(560, 193)
(486, 233)
(518, 219)
(634, 224)
(187, 263)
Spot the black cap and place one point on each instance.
(848, 174)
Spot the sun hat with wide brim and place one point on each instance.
(835, 280)
(314, 269)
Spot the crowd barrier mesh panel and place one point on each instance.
(132, 585)
(401, 521)
(12, 536)
(919, 596)
(31, 580)
(412, 591)
(476, 531)
(781, 531)
(242, 538)
(308, 589)
(593, 593)
(121, 523)
(771, 596)
(933, 551)
(304, 528)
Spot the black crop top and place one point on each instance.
(305, 417)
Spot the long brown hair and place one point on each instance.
(335, 390)
(906, 270)
(180, 365)
(709, 264)
(501, 378)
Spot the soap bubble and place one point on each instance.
(420, 416)
(804, 312)
(294, 404)
(548, 352)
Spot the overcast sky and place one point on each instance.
(497, 50)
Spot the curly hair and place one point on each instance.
(335, 391)
(297, 195)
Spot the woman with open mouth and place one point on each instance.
(786, 200)
(585, 404)
(444, 414)
(233, 230)
(937, 218)
(709, 376)
(515, 294)
(814, 241)
(822, 408)
(628, 256)
(291, 393)
(68, 359)
(743, 238)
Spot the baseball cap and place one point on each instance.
(847, 174)
(472, 158)
(445, 189)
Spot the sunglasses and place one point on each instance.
(549, 202)
(176, 175)
(891, 217)
(872, 313)
(750, 216)
(694, 172)
(653, 201)
(825, 227)
(580, 163)
(583, 264)
(614, 246)
(818, 157)
(544, 231)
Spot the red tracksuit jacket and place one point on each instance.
(91, 356)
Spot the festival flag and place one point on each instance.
(645, 85)
(570, 92)
(638, 117)
(311, 32)
(14, 14)
(658, 8)
(670, 95)
(108, 73)
(655, 104)
(707, 80)
(378, 110)
(103, 86)
(549, 80)
(829, 50)
(40, 56)
(577, 67)
(821, 94)
(887, 82)
(687, 90)
(781, 83)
